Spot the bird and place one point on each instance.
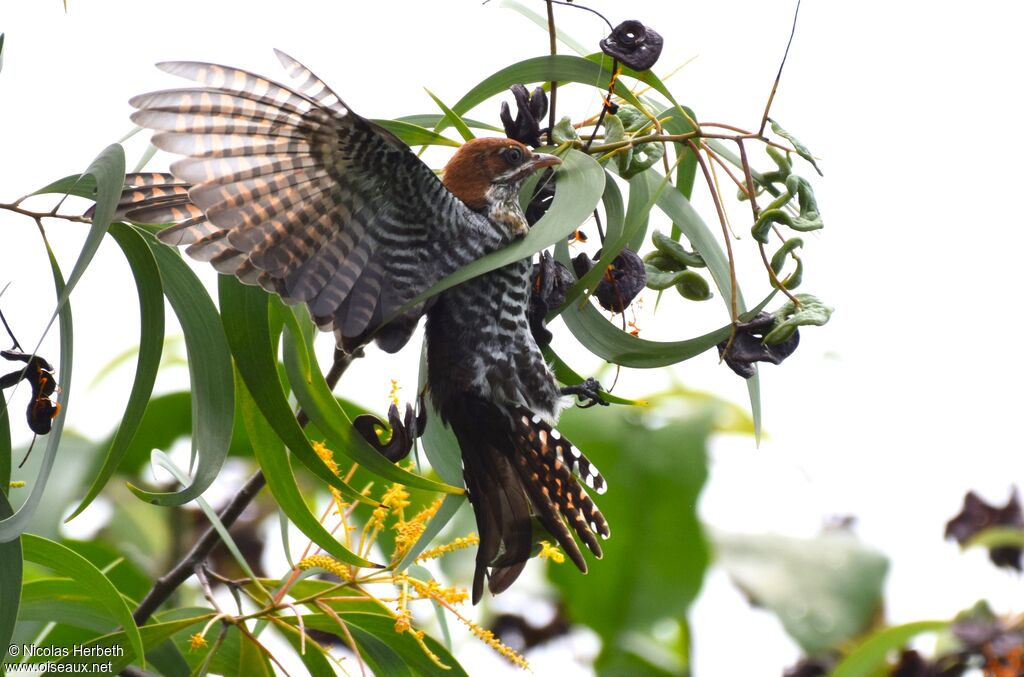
(287, 188)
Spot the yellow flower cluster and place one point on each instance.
(490, 640)
(403, 620)
(409, 532)
(548, 551)
(433, 590)
(196, 641)
(326, 455)
(458, 544)
(327, 563)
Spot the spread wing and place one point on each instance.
(289, 189)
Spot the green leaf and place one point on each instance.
(273, 460)
(870, 656)
(317, 400)
(153, 634)
(252, 660)
(151, 312)
(209, 365)
(567, 375)
(415, 135)
(12, 526)
(244, 310)
(610, 343)
(657, 555)
(800, 148)
(581, 182)
(542, 22)
(453, 118)
(381, 646)
(825, 590)
(107, 173)
(1, 51)
(997, 537)
(164, 461)
(787, 318)
(560, 68)
(5, 451)
(439, 443)
(10, 582)
(68, 563)
(49, 598)
(428, 120)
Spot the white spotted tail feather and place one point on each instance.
(546, 462)
(289, 189)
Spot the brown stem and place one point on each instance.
(734, 299)
(165, 586)
(778, 76)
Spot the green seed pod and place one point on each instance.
(673, 249)
(664, 263)
(693, 287)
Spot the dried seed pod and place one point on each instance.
(621, 282)
(530, 112)
(634, 44)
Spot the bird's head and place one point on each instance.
(488, 170)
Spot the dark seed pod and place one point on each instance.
(621, 282)
(548, 285)
(977, 515)
(633, 44)
(747, 346)
(530, 111)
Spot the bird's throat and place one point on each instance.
(503, 207)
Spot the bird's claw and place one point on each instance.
(588, 392)
(404, 430)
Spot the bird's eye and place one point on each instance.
(513, 155)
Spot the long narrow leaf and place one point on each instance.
(866, 659)
(10, 583)
(318, 402)
(453, 118)
(151, 339)
(70, 564)
(209, 365)
(11, 527)
(107, 174)
(414, 134)
(246, 321)
(610, 343)
(271, 456)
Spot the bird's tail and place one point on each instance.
(518, 468)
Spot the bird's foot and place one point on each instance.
(404, 430)
(588, 392)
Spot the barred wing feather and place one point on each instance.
(289, 189)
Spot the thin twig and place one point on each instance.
(775, 85)
(553, 43)
(165, 586)
(734, 301)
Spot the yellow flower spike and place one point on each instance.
(396, 497)
(548, 551)
(17, 484)
(196, 642)
(458, 544)
(403, 621)
(394, 392)
(490, 640)
(327, 563)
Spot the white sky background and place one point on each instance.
(901, 404)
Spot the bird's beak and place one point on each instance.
(542, 160)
